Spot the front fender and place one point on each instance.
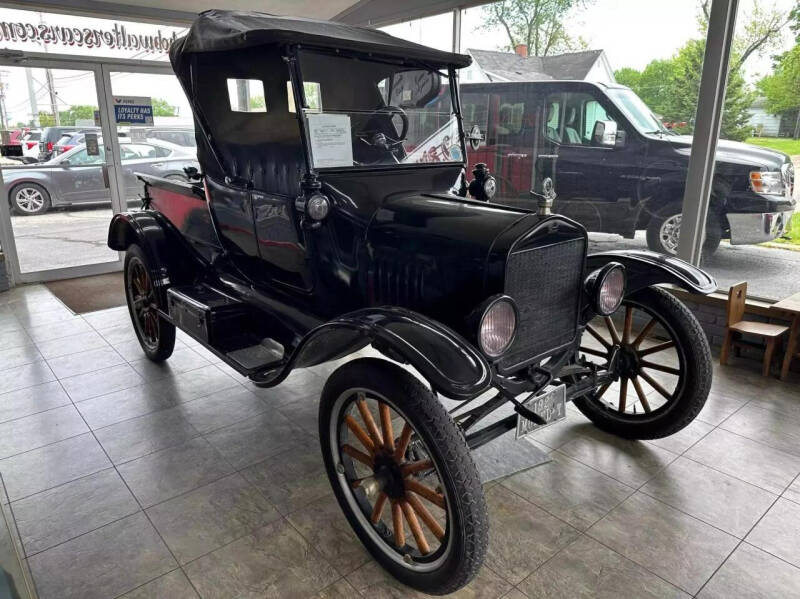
(644, 268)
(452, 366)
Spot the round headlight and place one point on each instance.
(490, 187)
(611, 290)
(497, 327)
(317, 207)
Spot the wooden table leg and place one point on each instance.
(791, 346)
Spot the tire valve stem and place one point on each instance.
(340, 468)
(407, 559)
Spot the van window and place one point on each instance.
(572, 116)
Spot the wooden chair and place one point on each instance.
(771, 333)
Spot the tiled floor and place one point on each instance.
(129, 479)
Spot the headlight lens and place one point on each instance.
(318, 207)
(490, 187)
(766, 182)
(497, 328)
(611, 291)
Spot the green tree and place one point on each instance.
(74, 113)
(539, 24)
(628, 76)
(782, 87)
(162, 108)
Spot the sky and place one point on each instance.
(632, 33)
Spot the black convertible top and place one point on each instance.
(216, 30)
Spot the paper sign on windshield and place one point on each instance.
(331, 140)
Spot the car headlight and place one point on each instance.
(766, 182)
(497, 327)
(490, 187)
(606, 288)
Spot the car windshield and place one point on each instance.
(365, 113)
(637, 111)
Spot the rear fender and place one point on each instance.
(452, 366)
(644, 268)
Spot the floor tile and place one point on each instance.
(173, 585)
(719, 407)
(57, 515)
(124, 404)
(373, 581)
(27, 375)
(786, 403)
(18, 356)
(715, 498)
(73, 344)
(291, 479)
(182, 359)
(574, 426)
(256, 439)
(677, 547)
(32, 400)
(569, 490)
(119, 334)
(90, 360)
(274, 561)
(521, 536)
(630, 462)
(55, 464)
(753, 574)
(130, 439)
(767, 427)
(60, 329)
(341, 589)
(325, 527)
(101, 382)
(793, 492)
(682, 440)
(753, 462)
(106, 319)
(37, 430)
(222, 409)
(103, 563)
(40, 315)
(15, 338)
(588, 569)
(167, 473)
(198, 383)
(207, 518)
(778, 532)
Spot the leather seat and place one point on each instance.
(272, 168)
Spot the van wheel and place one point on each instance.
(403, 475)
(28, 199)
(156, 335)
(663, 231)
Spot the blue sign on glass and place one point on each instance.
(133, 110)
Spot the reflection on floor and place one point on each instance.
(129, 479)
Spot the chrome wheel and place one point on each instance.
(669, 233)
(389, 479)
(143, 304)
(29, 200)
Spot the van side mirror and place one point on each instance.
(605, 133)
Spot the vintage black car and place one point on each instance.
(320, 226)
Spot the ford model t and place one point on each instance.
(320, 226)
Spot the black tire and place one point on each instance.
(156, 335)
(694, 383)
(28, 199)
(463, 546)
(657, 243)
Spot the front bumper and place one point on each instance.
(758, 227)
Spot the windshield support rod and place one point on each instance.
(300, 105)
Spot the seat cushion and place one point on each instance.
(764, 329)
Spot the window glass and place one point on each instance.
(82, 158)
(313, 96)
(572, 118)
(139, 151)
(246, 95)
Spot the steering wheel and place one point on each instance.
(374, 135)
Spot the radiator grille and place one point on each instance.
(545, 283)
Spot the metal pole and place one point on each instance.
(710, 102)
(456, 30)
(243, 94)
(53, 97)
(34, 122)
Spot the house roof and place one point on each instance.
(511, 66)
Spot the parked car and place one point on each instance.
(72, 139)
(51, 135)
(75, 177)
(179, 136)
(615, 167)
(323, 226)
(30, 144)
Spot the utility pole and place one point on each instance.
(34, 122)
(3, 116)
(53, 96)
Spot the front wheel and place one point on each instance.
(28, 199)
(661, 360)
(403, 475)
(663, 231)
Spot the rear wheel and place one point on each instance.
(661, 358)
(156, 335)
(29, 199)
(403, 475)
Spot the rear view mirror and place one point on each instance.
(605, 133)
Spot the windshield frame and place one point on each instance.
(613, 94)
(298, 90)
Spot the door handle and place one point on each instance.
(106, 183)
(159, 164)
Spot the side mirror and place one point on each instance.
(605, 133)
(64, 163)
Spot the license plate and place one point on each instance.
(550, 405)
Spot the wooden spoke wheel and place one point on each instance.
(660, 362)
(156, 336)
(403, 475)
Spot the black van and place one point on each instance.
(615, 167)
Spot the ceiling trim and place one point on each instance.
(379, 13)
(111, 10)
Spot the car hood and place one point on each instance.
(735, 152)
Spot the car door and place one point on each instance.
(594, 183)
(148, 159)
(78, 177)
